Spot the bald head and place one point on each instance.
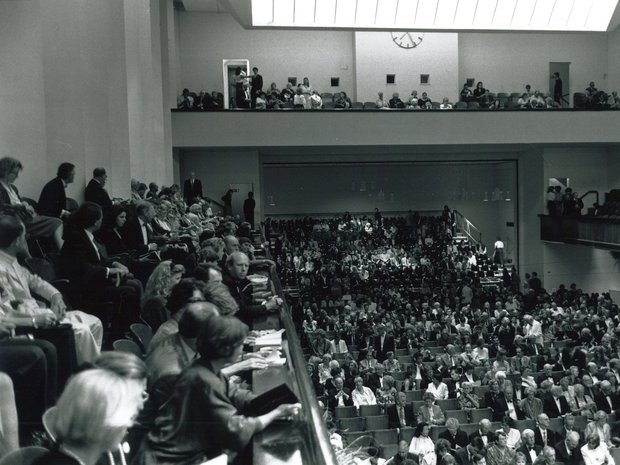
(231, 244)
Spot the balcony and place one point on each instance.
(599, 231)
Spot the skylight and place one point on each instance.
(445, 15)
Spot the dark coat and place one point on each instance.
(190, 192)
(53, 199)
(551, 437)
(551, 408)
(332, 401)
(562, 455)
(392, 413)
(460, 439)
(524, 450)
(96, 193)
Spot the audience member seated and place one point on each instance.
(95, 191)
(157, 291)
(362, 395)
(421, 444)
(429, 412)
(92, 276)
(316, 102)
(37, 226)
(568, 451)
(92, 416)
(425, 102)
(499, 453)
(396, 102)
(445, 104)
(185, 101)
(596, 452)
(205, 417)
(454, 435)
(288, 93)
(600, 427)
(412, 103)
(466, 93)
(381, 103)
(17, 302)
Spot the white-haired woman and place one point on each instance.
(92, 416)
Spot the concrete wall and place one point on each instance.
(206, 39)
(82, 82)
(613, 52)
(377, 55)
(506, 62)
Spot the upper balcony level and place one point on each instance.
(455, 128)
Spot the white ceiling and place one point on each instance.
(429, 15)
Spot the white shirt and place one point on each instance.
(597, 456)
(13, 197)
(366, 397)
(440, 392)
(499, 245)
(91, 238)
(145, 233)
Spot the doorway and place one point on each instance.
(563, 68)
(228, 71)
(240, 193)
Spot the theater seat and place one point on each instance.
(376, 422)
(406, 434)
(385, 436)
(369, 410)
(480, 414)
(350, 436)
(23, 456)
(370, 106)
(352, 424)
(473, 105)
(345, 412)
(357, 106)
(127, 345)
(389, 450)
(460, 105)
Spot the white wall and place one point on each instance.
(22, 119)
(506, 62)
(613, 52)
(81, 82)
(206, 39)
(377, 55)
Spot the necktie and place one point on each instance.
(610, 403)
(544, 436)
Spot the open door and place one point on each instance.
(563, 69)
(228, 71)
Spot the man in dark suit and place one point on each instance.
(543, 436)
(454, 435)
(339, 396)
(53, 199)
(192, 188)
(483, 432)
(138, 233)
(374, 377)
(567, 451)
(529, 448)
(257, 85)
(496, 401)
(555, 404)
(465, 455)
(95, 191)
(606, 399)
(400, 414)
(92, 275)
(383, 343)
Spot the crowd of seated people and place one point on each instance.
(248, 92)
(154, 259)
(400, 329)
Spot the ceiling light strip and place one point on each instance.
(294, 8)
(473, 19)
(585, 24)
(514, 11)
(555, 2)
(355, 16)
(415, 16)
(396, 12)
(376, 10)
(273, 11)
(570, 13)
(436, 10)
(494, 11)
(335, 11)
(456, 11)
(315, 11)
(533, 11)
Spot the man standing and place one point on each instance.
(192, 188)
(557, 88)
(257, 85)
(498, 255)
(53, 199)
(248, 207)
(95, 191)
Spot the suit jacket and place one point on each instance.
(490, 436)
(462, 456)
(601, 402)
(332, 400)
(96, 193)
(460, 439)
(425, 416)
(393, 420)
(551, 437)
(562, 455)
(524, 450)
(497, 403)
(551, 408)
(132, 233)
(388, 346)
(80, 261)
(53, 199)
(189, 191)
(373, 381)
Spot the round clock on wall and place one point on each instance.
(406, 39)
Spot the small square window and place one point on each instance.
(470, 82)
(424, 78)
(293, 80)
(390, 79)
(335, 82)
